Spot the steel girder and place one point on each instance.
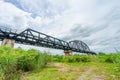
(32, 37)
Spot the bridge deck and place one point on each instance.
(36, 38)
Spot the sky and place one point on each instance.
(95, 22)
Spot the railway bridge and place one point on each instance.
(29, 36)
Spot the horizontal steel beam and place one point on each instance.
(36, 38)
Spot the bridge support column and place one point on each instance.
(67, 53)
(8, 42)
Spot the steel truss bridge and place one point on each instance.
(32, 37)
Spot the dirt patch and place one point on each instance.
(61, 67)
(24, 75)
(98, 77)
(85, 74)
(89, 74)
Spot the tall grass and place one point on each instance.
(112, 58)
(70, 59)
(101, 57)
(15, 61)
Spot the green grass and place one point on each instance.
(14, 62)
(45, 74)
(105, 66)
(72, 71)
(18, 64)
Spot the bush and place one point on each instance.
(110, 59)
(117, 62)
(13, 61)
(57, 58)
(84, 58)
(101, 53)
(70, 59)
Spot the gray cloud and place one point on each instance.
(106, 33)
(96, 22)
(46, 8)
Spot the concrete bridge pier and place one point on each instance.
(8, 42)
(67, 53)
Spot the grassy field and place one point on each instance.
(75, 71)
(18, 64)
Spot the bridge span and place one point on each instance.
(32, 37)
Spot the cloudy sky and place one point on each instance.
(96, 22)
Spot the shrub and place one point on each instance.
(101, 53)
(57, 58)
(85, 58)
(9, 68)
(110, 59)
(70, 59)
(13, 61)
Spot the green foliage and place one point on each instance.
(70, 59)
(57, 58)
(113, 58)
(83, 58)
(15, 61)
(109, 58)
(101, 53)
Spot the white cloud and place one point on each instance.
(10, 15)
(94, 21)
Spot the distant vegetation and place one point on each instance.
(14, 62)
(101, 57)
